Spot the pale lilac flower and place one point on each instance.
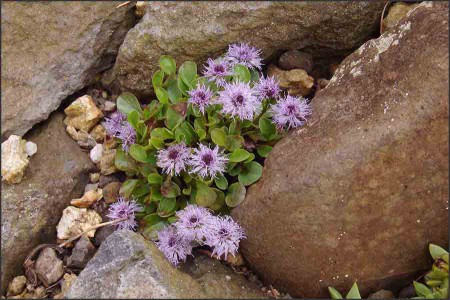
(175, 247)
(291, 112)
(200, 97)
(268, 88)
(245, 55)
(217, 70)
(118, 127)
(173, 160)
(224, 236)
(239, 100)
(193, 222)
(124, 209)
(208, 162)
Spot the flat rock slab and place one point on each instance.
(31, 209)
(360, 192)
(51, 50)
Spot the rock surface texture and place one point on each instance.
(128, 266)
(168, 28)
(360, 192)
(31, 209)
(51, 50)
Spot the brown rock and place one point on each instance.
(68, 280)
(89, 198)
(98, 133)
(83, 114)
(381, 294)
(325, 29)
(296, 82)
(49, 268)
(81, 253)
(105, 179)
(396, 12)
(17, 286)
(294, 59)
(107, 166)
(111, 192)
(75, 221)
(373, 177)
(407, 292)
(94, 177)
(77, 135)
(110, 143)
(14, 159)
(60, 58)
(31, 209)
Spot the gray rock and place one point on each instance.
(105, 179)
(381, 294)
(49, 268)
(295, 59)
(32, 208)
(81, 253)
(51, 50)
(167, 28)
(102, 234)
(111, 192)
(371, 188)
(128, 266)
(407, 292)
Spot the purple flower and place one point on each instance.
(173, 160)
(268, 88)
(224, 236)
(200, 97)
(245, 55)
(175, 247)
(193, 222)
(118, 127)
(207, 162)
(239, 100)
(124, 209)
(291, 112)
(217, 70)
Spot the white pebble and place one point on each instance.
(228, 278)
(96, 153)
(30, 148)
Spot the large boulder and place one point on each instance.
(196, 31)
(128, 266)
(51, 50)
(31, 209)
(360, 192)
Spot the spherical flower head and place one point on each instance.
(268, 88)
(128, 136)
(245, 55)
(217, 70)
(290, 112)
(200, 97)
(238, 99)
(175, 247)
(174, 159)
(193, 222)
(224, 236)
(207, 162)
(113, 124)
(124, 209)
(118, 127)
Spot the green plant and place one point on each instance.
(352, 294)
(436, 280)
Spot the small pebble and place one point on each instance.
(16, 286)
(227, 277)
(96, 153)
(105, 94)
(30, 148)
(109, 106)
(94, 177)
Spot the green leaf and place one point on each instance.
(436, 251)
(167, 207)
(250, 173)
(170, 189)
(353, 293)
(254, 75)
(421, 289)
(241, 73)
(157, 78)
(250, 158)
(219, 137)
(234, 142)
(168, 64)
(146, 169)
(133, 119)
(201, 134)
(334, 293)
(156, 193)
(173, 91)
(139, 153)
(182, 86)
(127, 102)
(239, 155)
(263, 150)
(162, 133)
(123, 162)
(155, 178)
(185, 133)
(235, 195)
(205, 196)
(157, 143)
(173, 118)
(141, 190)
(268, 129)
(220, 200)
(221, 182)
(162, 94)
(188, 72)
(127, 187)
(152, 219)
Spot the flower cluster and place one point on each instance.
(204, 161)
(118, 127)
(197, 226)
(125, 211)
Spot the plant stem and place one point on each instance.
(89, 229)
